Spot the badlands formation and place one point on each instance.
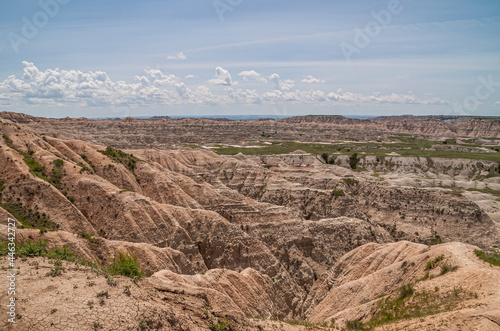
(236, 230)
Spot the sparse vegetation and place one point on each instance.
(84, 168)
(57, 172)
(92, 242)
(487, 190)
(432, 263)
(103, 294)
(355, 325)
(56, 270)
(435, 240)
(35, 168)
(416, 304)
(445, 268)
(86, 159)
(223, 324)
(111, 281)
(119, 156)
(28, 217)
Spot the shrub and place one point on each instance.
(32, 248)
(126, 264)
(405, 291)
(338, 193)
(354, 160)
(350, 181)
(435, 240)
(445, 268)
(355, 325)
(103, 294)
(84, 168)
(432, 263)
(61, 253)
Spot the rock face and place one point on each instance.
(264, 237)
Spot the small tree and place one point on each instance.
(353, 160)
(324, 156)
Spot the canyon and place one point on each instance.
(306, 222)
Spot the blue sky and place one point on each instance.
(137, 58)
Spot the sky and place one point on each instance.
(123, 58)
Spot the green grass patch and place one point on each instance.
(35, 168)
(30, 248)
(125, 264)
(485, 190)
(492, 258)
(410, 147)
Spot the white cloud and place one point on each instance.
(285, 85)
(154, 87)
(244, 96)
(310, 79)
(253, 75)
(190, 76)
(222, 77)
(178, 56)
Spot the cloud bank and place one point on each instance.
(155, 87)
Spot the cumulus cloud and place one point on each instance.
(285, 85)
(178, 56)
(252, 74)
(241, 96)
(310, 79)
(222, 77)
(155, 87)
